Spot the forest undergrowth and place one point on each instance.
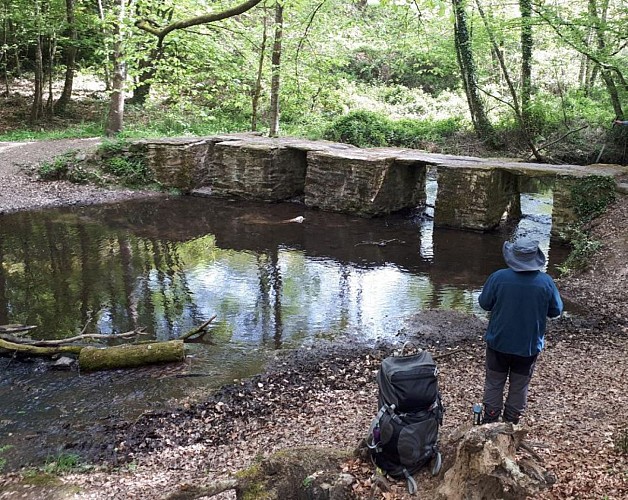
(580, 141)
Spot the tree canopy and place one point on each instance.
(538, 69)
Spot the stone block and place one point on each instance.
(362, 182)
(473, 197)
(179, 164)
(263, 170)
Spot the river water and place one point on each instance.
(168, 265)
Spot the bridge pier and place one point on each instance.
(176, 163)
(563, 213)
(366, 183)
(266, 171)
(475, 197)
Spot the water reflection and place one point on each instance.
(168, 265)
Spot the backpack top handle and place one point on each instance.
(409, 343)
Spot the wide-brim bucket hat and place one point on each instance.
(523, 255)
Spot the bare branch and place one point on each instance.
(200, 329)
(69, 340)
(195, 21)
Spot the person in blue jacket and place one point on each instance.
(520, 299)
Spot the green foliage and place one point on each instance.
(361, 128)
(550, 114)
(592, 195)
(415, 133)
(183, 119)
(132, 171)
(433, 71)
(69, 167)
(82, 130)
(128, 167)
(62, 463)
(368, 129)
(621, 441)
(55, 169)
(110, 147)
(582, 249)
(118, 165)
(3, 460)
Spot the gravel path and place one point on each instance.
(20, 188)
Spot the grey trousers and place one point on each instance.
(518, 371)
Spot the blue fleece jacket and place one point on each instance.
(519, 303)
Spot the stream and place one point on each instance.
(169, 264)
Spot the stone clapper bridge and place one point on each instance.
(473, 193)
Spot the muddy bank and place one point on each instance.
(326, 396)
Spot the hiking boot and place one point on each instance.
(490, 416)
(511, 419)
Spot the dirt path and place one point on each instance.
(578, 397)
(21, 190)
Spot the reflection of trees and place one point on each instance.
(162, 298)
(149, 317)
(344, 297)
(174, 297)
(128, 279)
(263, 304)
(56, 273)
(86, 272)
(269, 300)
(277, 287)
(456, 299)
(4, 302)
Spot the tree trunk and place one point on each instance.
(276, 70)
(260, 69)
(70, 51)
(148, 65)
(115, 119)
(131, 356)
(523, 124)
(37, 108)
(147, 71)
(481, 124)
(33, 350)
(605, 72)
(107, 77)
(525, 6)
(52, 50)
(485, 465)
(4, 49)
(609, 81)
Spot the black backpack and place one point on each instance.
(403, 437)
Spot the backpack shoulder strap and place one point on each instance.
(372, 439)
(412, 486)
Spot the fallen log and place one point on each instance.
(16, 328)
(38, 350)
(130, 356)
(69, 340)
